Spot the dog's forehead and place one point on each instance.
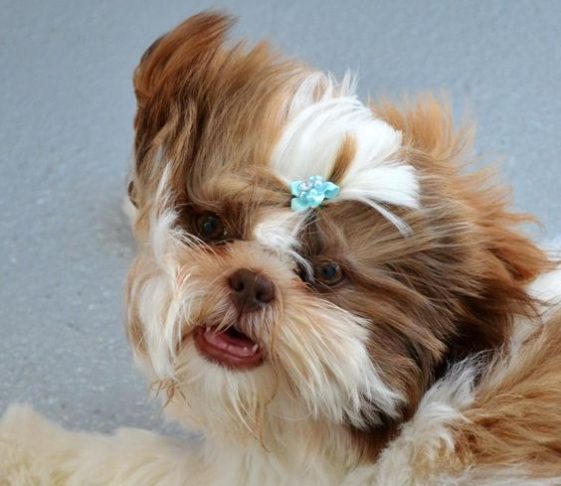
(325, 133)
(317, 128)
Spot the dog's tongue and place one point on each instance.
(230, 347)
(232, 341)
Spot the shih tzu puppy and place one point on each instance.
(320, 290)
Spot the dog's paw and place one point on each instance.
(34, 451)
(20, 420)
(28, 443)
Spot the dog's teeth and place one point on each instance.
(254, 348)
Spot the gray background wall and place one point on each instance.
(66, 108)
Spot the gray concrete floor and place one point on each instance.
(66, 109)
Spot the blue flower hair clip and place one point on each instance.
(310, 193)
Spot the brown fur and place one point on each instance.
(203, 102)
(516, 418)
(343, 160)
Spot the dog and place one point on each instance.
(321, 290)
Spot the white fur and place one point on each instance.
(546, 288)
(278, 231)
(427, 431)
(318, 125)
(160, 305)
(427, 438)
(40, 453)
(36, 452)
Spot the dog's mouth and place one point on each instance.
(229, 347)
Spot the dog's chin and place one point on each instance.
(229, 347)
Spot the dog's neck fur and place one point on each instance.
(304, 451)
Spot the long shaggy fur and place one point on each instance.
(433, 358)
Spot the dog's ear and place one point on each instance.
(442, 153)
(470, 224)
(172, 71)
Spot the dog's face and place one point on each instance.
(246, 306)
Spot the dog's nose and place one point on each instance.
(250, 291)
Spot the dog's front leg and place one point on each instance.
(34, 451)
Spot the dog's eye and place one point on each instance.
(328, 273)
(210, 227)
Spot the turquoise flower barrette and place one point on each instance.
(310, 193)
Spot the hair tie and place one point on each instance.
(310, 193)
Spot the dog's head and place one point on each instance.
(302, 254)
